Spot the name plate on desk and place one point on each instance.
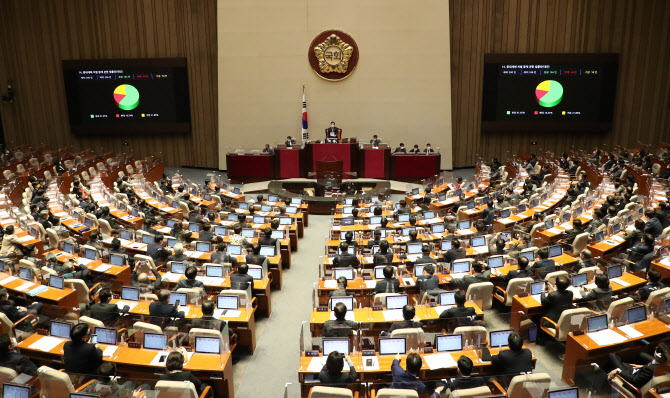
(367, 277)
(312, 353)
(378, 308)
(523, 294)
(368, 353)
(322, 309)
(133, 344)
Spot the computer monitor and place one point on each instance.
(415, 191)
(498, 338)
(579, 279)
(578, 211)
(60, 329)
(572, 392)
(25, 273)
(347, 209)
(2, 266)
(106, 335)
(536, 287)
(549, 224)
(154, 341)
(566, 217)
(347, 221)
(637, 313)
(396, 302)
(88, 222)
(214, 271)
(207, 196)
(375, 249)
(478, 241)
(175, 204)
(278, 234)
(130, 293)
(555, 251)
(470, 204)
(207, 345)
(449, 342)
(614, 271)
(117, 259)
(233, 217)
(219, 230)
(289, 221)
(266, 208)
(505, 236)
(296, 201)
(521, 208)
(16, 391)
(379, 272)
(268, 251)
(68, 247)
(177, 267)
(331, 344)
(203, 247)
(442, 197)
(56, 282)
(256, 273)
(170, 223)
(375, 220)
(414, 248)
(227, 302)
(126, 234)
(437, 228)
(248, 232)
(600, 236)
(259, 220)
(418, 269)
(90, 254)
(448, 298)
(350, 250)
(534, 202)
(146, 239)
(403, 217)
(407, 230)
(596, 323)
(291, 210)
(458, 192)
(460, 266)
(445, 245)
(234, 250)
(343, 272)
(464, 224)
(181, 297)
(505, 213)
(171, 242)
(346, 300)
(530, 255)
(428, 214)
(194, 227)
(244, 205)
(392, 345)
(495, 261)
(273, 198)
(348, 201)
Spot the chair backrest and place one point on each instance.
(655, 168)
(7, 374)
(482, 391)
(130, 170)
(396, 393)
(656, 297)
(551, 277)
(591, 271)
(380, 298)
(54, 383)
(414, 336)
(92, 322)
(193, 294)
(6, 325)
(480, 292)
(52, 238)
(529, 386)
(617, 307)
(243, 295)
(176, 389)
(79, 286)
(472, 333)
(184, 209)
(580, 243)
(20, 168)
(571, 320)
(140, 328)
(330, 392)
(655, 381)
(516, 286)
(105, 228)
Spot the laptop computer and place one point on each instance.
(10, 390)
(343, 272)
(392, 345)
(396, 302)
(555, 251)
(207, 345)
(495, 261)
(331, 344)
(614, 271)
(346, 300)
(154, 341)
(117, 259)
(227, 302)
(449, 342)
(572, 392)
(178, 298)
(60, 329)
(637, 313)
(414, 248)
(56, 282)
(448, 298)
(596, 323)
(498, 338)
(130, 293)
(579, 279)
(268, 251)
(106, 335)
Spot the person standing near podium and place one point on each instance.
(332, 133)
(375, 141)
(289, 142)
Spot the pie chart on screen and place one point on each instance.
(549, 93)
(126, 97)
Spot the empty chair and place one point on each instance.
(92, 322)
(20, 168)
(83, 293)
(529, 386)
(480, 292)
(618, 307)
(591, 271)
(130, 170)
(396, 393)
(472, 333)
(656, 297)
(330, 392)
(7, 374)
(54, 383)
(105, 228)
(514, 287)
(414, 336)
(570, 320)
(579, 244)
(178, 389)
(482, 391)
(380, 298)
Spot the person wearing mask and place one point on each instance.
(428, 281)
(514, 361)
(415, 150)
(345, 259)
(428, 149)
(383, 257)
(340, 325)
(190, 282)
(400, 149)
(410, 320)
(241, 280)
(459, 310)
(455, 253)
(653, 284)
(559, 300)
(332, 375)
(174, 365)
(11, 359)
(162, 308)
(105, 311)
(464, 380)
(601, 295)
(544, 265)
(221, 256)
(375, 141)
(389, 284)
(80, 356)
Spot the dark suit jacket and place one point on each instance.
(189, 283)
(465, 382)
(543, 267)
(404, 380)
(338, 379)
(425, 260)
(458, 312)
(81, 358)
(662, 218)
(513, 362)
(404, 325)
(520, 273)
(646, 290)
(640, 377)
(255, 259)
(428, 282)
(653, 227)
(205, 236)
(383, 258)
(105, 312)
(164, 310)
(454, 254)
(602, 297)
(223, 257)
(346, 260)
(19, 363)
(400, 150)
(263, 241)
(570, 235)
(330, 327)
(154, 250)
(240, 281)
(556, 302)
(392, 285)
(183, 376)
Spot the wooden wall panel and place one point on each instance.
(36, 35)
(638, 30)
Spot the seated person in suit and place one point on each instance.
(106, 384)
(341, 288)
(514, 361)
(403, 208)
(13, 360)
(408, 379)
(209, 322)
(349, 237)
(339, 326)
(116, 247)
(163, 308)
(255, 256)
(80, 356)
(242, 222)
(206, 234)
(639, 374)
(289, 142)
(377, 238)
(267, 239)
(412, 221)
(410, 320)
(267, 149)
(178, 253)
(635, 235)
(174, 365)
(332, 133)
(332, 375)
(464, 381)
(142, 280)
(601, 295)
(428, 149)
(521, 272)
(220, 256)
(455, 253)
(389, 284)
(236, 238)
(428, 280)
(653, 225)
(641, 249)
(415, 149)
(544, 265)
(240, 280)
(345, 259)
(15, 312)
(190, 281)
(413, 237)
(653, 283)
(375, 141)
(154, 248)
(383, 256)
(425, 255)
(104, 311)
(585, 260)
(400, 149)
(571, 234)
(459, 310)
(559, 300)
(480, 273)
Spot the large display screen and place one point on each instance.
(127, 96)
(548, 91)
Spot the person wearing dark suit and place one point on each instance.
(162, 308)
(516, 360)
(383, 257)
(240, 280)
(143, 280)
(415, 150)
(653, 284)
(459, 310)
(174, 365)
(332, 375)
(104, 311)
(332, 133)
(479, 274)
(178, 253)
(428, 280)
(289, 142)
(635, 235)
(341, 290)
(154, 248)
(349, 236)
(80, 356)
(408, 379)
(401, 149)
(255, 257)
(662, 215)
(206, 235)
(190, 282)
(375, 141)
(653, 226)
(408, 322)
(403, 208)
(455, 253)
(641, 249)
(413, 237)
(428, 149)
(376, 240)
(267, 239)
(559, 300)
(389, 284)
(335, 327)
(544, 265)
(601, 295)
(639, 375)
(13, 360)
(220, 256)
(571, 234)
(345, 259)
(464, 380)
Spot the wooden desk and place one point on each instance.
(66, 298)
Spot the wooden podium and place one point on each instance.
(329, 172)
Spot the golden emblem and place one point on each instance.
(333, 55)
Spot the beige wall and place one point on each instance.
(401, 88)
